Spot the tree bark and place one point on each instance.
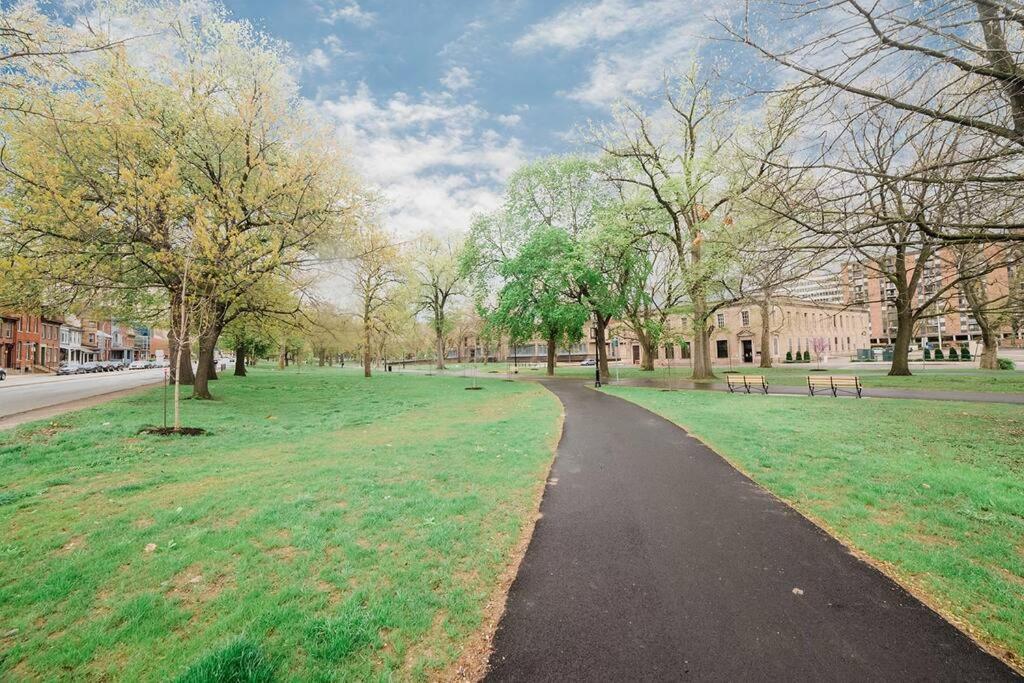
(205, 367)
(766, 332)
(702, 367)
(602, 352)
(551, 356)
(178, 337)
(974, 292)
(366, 348)
(439, 345)
(240, 360)
(646, 354)
(901, 349)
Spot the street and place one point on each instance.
(20, 393)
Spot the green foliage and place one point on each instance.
(807, 356)
(965, 353)
(939, 355)
(789, 356)
(927, 353)
(1006, 364)
(241, 660)
(953, 355)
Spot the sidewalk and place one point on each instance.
(654, 559)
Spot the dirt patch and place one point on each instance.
(193, 586)
(171, 431)
(285, 552)
(143, 523)
(75, 543)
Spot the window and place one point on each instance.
(721, 319)
(775, 345)
(745, 318)
(723, 348)
(670, 352)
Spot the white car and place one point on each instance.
(139, 365)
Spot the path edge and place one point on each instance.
(886, 569)
(474, 662)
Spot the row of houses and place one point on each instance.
(38, 343)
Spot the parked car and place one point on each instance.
(3, 374)
(588, 362)
(139, 365)
(91, 366)
(70, 369)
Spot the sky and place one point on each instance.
(440, 101)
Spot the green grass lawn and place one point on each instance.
(328, 528)
(932, 491)
(941, 379)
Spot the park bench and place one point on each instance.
(746, 382)
(835, 383)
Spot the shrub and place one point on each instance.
(1006, 364)
(938, 354)
(927, 353)
(953, 354)
(965, 353)
(789, 356)
(807, 356)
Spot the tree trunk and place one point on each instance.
(178, 337)
(551, 356)
(602, 352)
(439, 346)
(366, 348)
(974, 292)
(901, 349)
(205, 371)
(646, 354)
(766, 333)
(702, 367)
(240, 360)
(322, 359)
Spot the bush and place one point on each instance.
(789, 356)
(953, 354)
(965, 353)
(927, 353)
(938, 354)
(807, 356)
(1006, 364)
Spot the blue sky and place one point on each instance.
(441, 100)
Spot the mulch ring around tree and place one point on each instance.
(171, 431)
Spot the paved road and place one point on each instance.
(656, 560)
(19, 394)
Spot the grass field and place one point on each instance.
(933, 491)
(940, 379)
(328, 528)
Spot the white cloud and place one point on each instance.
(335, 47)
(457, 78)
(606, 19)
(509, 120)
(333, 11)
(317, 60)
(630, 72)
(432, 157)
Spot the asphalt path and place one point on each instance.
(19, 394)
(654, 559)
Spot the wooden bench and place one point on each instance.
(835, 383)
(746, 382)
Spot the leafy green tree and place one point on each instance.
(534, 299)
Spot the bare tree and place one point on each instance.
(694, 167)
(438, 280)
(375, 278)
(959, 63)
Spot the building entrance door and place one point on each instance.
(636, 354)
(748, 351)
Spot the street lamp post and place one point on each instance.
(597, 359)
